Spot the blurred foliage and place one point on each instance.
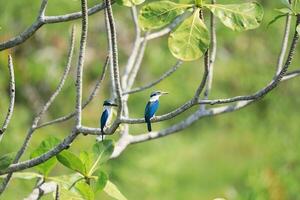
(250, 154)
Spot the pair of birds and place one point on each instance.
(150, 110)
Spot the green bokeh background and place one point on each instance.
(249, 154)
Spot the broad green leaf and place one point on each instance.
(71, 161)
(238, 17)
(158, 14)
(113, 191)
(190, 40)
(45, 146)
(6, 160)
(284, 10)
(130, 3)
(87, 158)
(24, 175)
(66, 194)
(85, 190)
(103, 150)
(101, 181)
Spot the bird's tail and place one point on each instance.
(149, 125)
(100, 137)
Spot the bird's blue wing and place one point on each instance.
(150, 109)
(103, 119)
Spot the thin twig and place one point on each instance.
(134, 53)
(57, 192)
(12, 94)
(115, 59)
(42, 189)
(137, 64)
(111, 65)
(153, 83)
(212, 54)
(80, 64)
(284, 44)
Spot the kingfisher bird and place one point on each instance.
(152, 107)
(106, 116)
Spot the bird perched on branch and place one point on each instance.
(106, 116)
(152, 107)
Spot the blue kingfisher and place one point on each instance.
(106, 116)
(152, 107)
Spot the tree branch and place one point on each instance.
(212, 54)
(134, 53)
(42, 189)
(22, 37)
(153, 83)
(80, 64)
(12, 94)
(115, 62)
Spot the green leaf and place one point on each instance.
(101, 181)
(45, 146)
(66, 194)
(285, 2)
(130, 3)
(24, 175)
(284, 10)
(85, 190)
(6, 160)
(238, 17)
(276, 19)
(190, 40)
(103, 150)
(87, 159)
(113, 191)
(158, 14)
(71, 161)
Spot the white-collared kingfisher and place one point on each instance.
(106, 116)
(152, 107)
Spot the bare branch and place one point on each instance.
(134, 53)
(161, 78)
(22, 37)
(42, 10)
(284, 44)
(115, 61)
(57, 193)
(81, 62)
(12, 94)
(41, 190)
(206, 68)
(138, 63)
(291, 74)
(212, 55)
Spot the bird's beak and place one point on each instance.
(116, 105)
(164, 93)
